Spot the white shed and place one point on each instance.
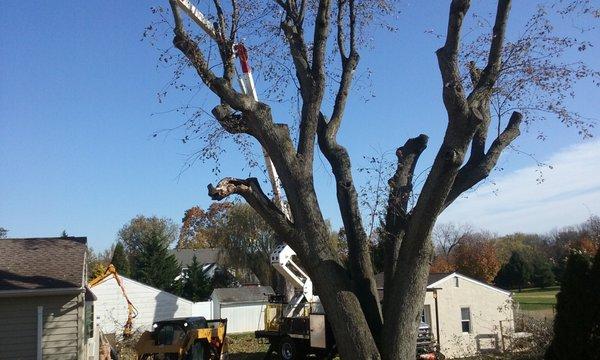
(466, 316)
(151, 303)
(243, 307)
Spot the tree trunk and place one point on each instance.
(352, 335)
(404, 297)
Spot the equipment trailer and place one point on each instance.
(309, 333)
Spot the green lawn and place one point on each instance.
(536, 299)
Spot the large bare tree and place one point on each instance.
(364, 327)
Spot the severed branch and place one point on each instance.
(475, 171)
(251, 191)
(401, 187)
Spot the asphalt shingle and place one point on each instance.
(42, 263)
(203, 256)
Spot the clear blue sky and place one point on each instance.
(78, 90)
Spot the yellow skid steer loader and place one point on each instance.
(191, 338)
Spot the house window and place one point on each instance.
(465, 319)
(426, 315)
(89, 319)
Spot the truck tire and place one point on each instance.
(289, 349)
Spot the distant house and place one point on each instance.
(466, 316)
(244, 307)
(210, 259)
(214, 261)
(46, 311)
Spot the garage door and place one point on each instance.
(243, 318)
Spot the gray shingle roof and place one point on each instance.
(433, 277)
(242, 294)
(42, 263)
(204, 256)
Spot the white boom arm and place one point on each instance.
(197, 17)
(281, 257)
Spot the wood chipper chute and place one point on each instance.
(191, 338)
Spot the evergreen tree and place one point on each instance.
(542, 273)
(154, 265)
(514, 274)
(120, 261)
(194, 285)
(573, 324)
(594, 345)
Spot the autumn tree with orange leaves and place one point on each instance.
(476, 257)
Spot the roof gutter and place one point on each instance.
(41, 292)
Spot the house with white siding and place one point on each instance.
(466, 316)
(46, 311)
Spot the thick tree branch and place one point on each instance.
(235, 20)
(224, 44)
(251, 191)
(453, 92)
(362, 274)
(492, 69)
(294, 33)
(320, 40)
(475, 171)
(349, 64)
(311, 106)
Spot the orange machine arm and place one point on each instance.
(132, 311)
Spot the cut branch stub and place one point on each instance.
(401, 181)
(251, 191)
(231, 122)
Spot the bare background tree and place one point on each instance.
(313, 45)
(447, 236)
